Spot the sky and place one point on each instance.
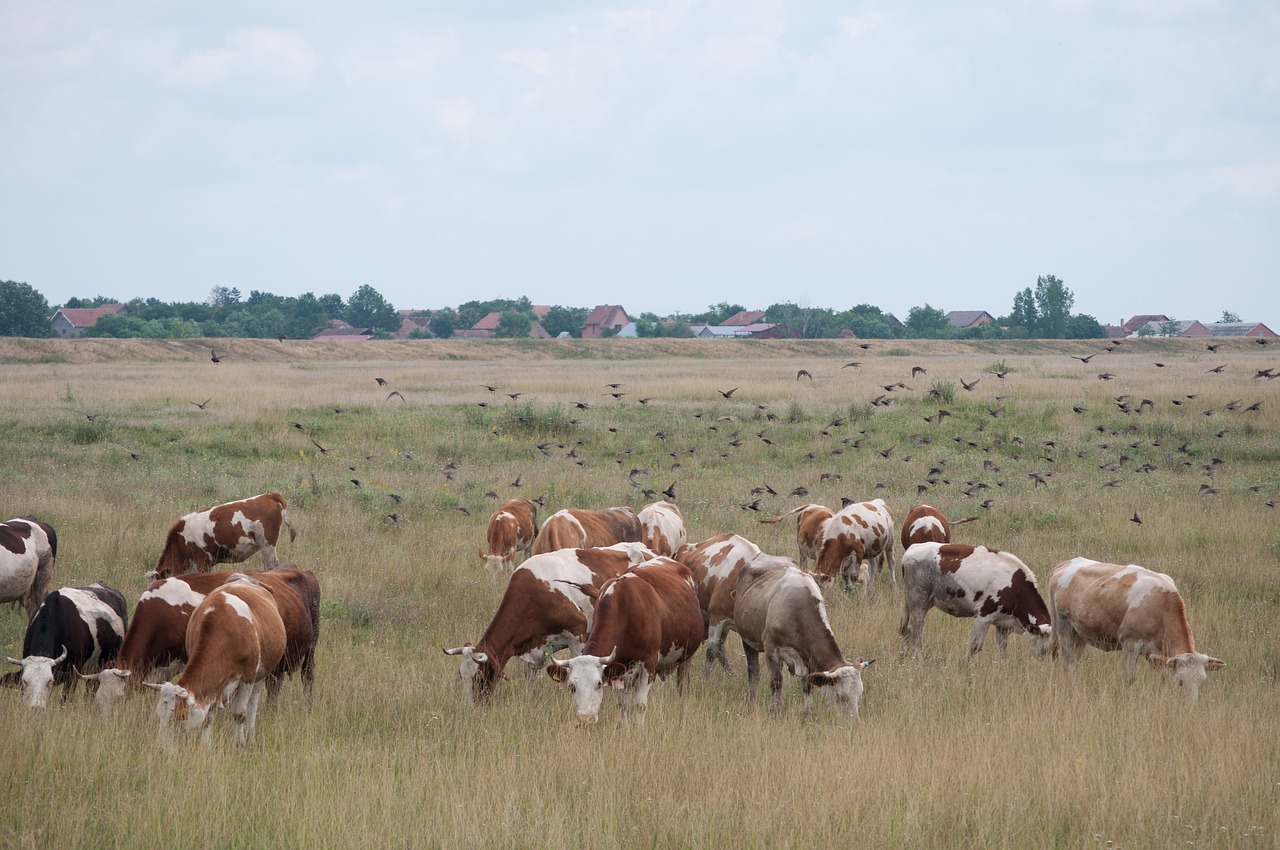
(662, 156)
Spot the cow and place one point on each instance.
(573, 528)
(662, 528)
(28, 549)
(1131, 609)
(779, 611)
(715, 564)
(79, 627)
(511, 530)
(549, 605)
(861, 531)
(992, 587)
(155, 642)
(925, 524)
(810, 521)
(647, 624)
(228, 533)
(234, 640)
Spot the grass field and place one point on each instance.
(988, 752)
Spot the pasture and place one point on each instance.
(988, 752)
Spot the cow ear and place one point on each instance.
(614, 671)
(821, 679)
(557, 674)
(1215, 664)
(1158, 661)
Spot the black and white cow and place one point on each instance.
(79, 627)
(28, 548)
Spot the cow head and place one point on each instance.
(1185, 672)
(1041, 639)
(841, 687)
(586, 676)
(478, 671)
(492, 563)
(37, 678)
(176, 705)
(111, 684)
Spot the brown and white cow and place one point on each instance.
(575, 528)
(715, 564)
(234, 640)
(779, 611)
(925, 524)
(28, 549)
(810, 521)
(549, 605)
(1130, 609)
(228, 533)
(662, 528)
(862, 531)
(511, 530)
(992, 587)
(647, 624)
(155, 643)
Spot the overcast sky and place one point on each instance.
(663, 156)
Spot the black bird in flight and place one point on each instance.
(857, 364)
(396, 394)
(728, 393)
(969, 386)
(1084, 359)
(670, 492)
(803, 373)
(1212, 347)
(1217, 370)
(918, 370)
(382, 382)
(213, 356)
(1136, 518)
(322, 449)
(202, 404)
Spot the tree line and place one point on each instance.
(1040, 312)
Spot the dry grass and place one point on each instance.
(993, 752)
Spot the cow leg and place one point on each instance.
(269, 557)
(980, 626)
(1067, 641)
(244, 708)
(889, 565)
(715, 646)
(913, 614)
(775, 679)
(1129, 663)
(869, 571)
(308, 671)
(275, 680)
(639, 697)
(753, 671)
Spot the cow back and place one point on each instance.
(648, 615)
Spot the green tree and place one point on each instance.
(1053, 305)
(1172, 327)
(443, 323)
(1229, 317)
(222, 296)
(866, 322)
(23, 311)
(653, 325)
(1081, 326)
(333, 306)
(928, 323)
(368, 309)
(560, 319)
(513, 325)
(1024, 314)
(812, 322)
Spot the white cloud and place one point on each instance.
(255, 55)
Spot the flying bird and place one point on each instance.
(865, 346)
(1105, 376)
(382, 382)
(856, 364)
(670, 492)
(969, 387)
(1136, 518)
(463, 511)
(202, 404)
(803, 373)
(1212, 347)
(213, 356)
(1001, 375)
(1217, 370)
(322, 449)
(395, 394)
(728, 393)
(1085, 359)
(918, 370)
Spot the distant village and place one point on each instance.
(612, 320)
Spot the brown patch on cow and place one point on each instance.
(952, 555)
(862, 522)
(603, 561)
(622, 523)
(12, 537)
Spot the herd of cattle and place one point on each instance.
(625, 593)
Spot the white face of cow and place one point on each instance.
(111, 687)
(1041, 639)
(842, 688)
(474, 671)
(585, 678)
(1187, 671)
(176, 705)
(37, 678)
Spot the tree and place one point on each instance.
(1170, 328)
(653, 325)
(866, 322)
(1024, 314)
(928, 323)
(23, 311)
(1053, 304)
(222, 296)
(368, 309)
(560, 319)
(443, 323)
(1229, 318)
(333, 306)
(1081, 326)
(512, 325)
(812, 322)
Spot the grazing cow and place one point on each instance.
(234, 640)
(73, 627)
(647, 624)
(993, 587)
(809, 524)
(573, 528)
(662, 528)
(779, 611)
(715, 564)
(28, 548)
(862, 531)
(228, 533)
(1131, 609)
(925, 524)
(155, 642)
(549, 605)
(511, 529)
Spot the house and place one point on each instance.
(605, 317)
(969, 318)
(894, 322)
(487, 328)
(759, 330)
(1131, 326)
(743, 318)
(1230, 329)
(413, 320)
(1190, 330)
(72, 321)
(340, 330)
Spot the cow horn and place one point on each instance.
(60, 658)
(608, 659)
(12, 660)
(458, 650)
(558, 662)
(153, 686)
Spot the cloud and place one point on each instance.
(258, 55)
